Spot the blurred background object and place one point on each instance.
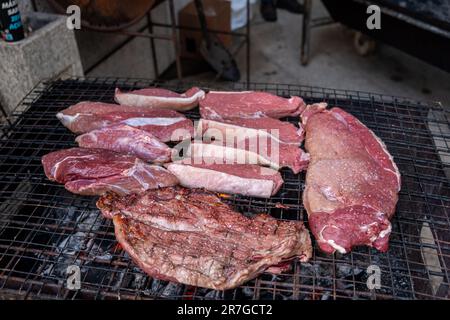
(308, 48)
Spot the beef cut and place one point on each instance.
(263, 152)
(190, 236)
(125, 139)
(222, 105)
(352, 182)
(245, 179)
(160, 98)
(95, 171)
(280, 131)
(166, 125)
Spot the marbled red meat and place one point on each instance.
(96, 171)
(166, 125)
(190, 236)
(222, 105)
(280, 131)
(264, 152)
(125, 139)
(352, 182)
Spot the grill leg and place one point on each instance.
(306, 32)
(248, 44)
(175, 39)
(152, 45)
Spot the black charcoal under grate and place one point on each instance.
(44, 229)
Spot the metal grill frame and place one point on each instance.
(44, 228)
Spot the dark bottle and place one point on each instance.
(11, 28)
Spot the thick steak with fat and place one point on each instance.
(222, 105)
(280, 131)
(160, 98)
(246, 179)
(352, 182)
(96, 171)
(190, 236)
(125, 139)
(166, 125)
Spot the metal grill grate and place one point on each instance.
(44, 229)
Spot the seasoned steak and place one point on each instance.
(352, 182)
(190, 236)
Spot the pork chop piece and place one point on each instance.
(249, 151)
(160, 98)
(352, 182)
(245, 179)
(122, 138)
(96, 171)
(223, 105)
(190, 236)
(280, 131)
(166, 125)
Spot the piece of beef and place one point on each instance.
(125, 139)
(95, 171)
(160, 98)
(352, 182)
(264, 152)
(280, 131)
(166, 125)
(190, 236)
(222, 105)
(245, 179)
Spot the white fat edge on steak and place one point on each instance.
(137, 122)
(396, 171)
(208, 149)
(66, 119)
(363, 228)
(91, 135)
(56, 165)
(249, 132)
(143, 100)
(210, 180)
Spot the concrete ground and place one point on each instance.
(334, 63)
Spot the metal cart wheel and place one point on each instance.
(363, 44)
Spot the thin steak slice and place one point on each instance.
(280, 131)
(190, 236)
(160, 98)
(352, 182)
(125, 139)
(250, 151)
(222, 105)
(166, 125)
(96, 171)
(245, 179)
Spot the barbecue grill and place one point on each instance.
(44, 229)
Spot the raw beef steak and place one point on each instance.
(222, 105)
(166, 125)
(125, 139)
(160, 98)
(352, 182)
(95, 171)
(245, 179)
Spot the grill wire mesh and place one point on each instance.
(44, 229)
